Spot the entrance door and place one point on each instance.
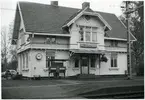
(84, 65)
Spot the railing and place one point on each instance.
(47, 46)
(117, 49)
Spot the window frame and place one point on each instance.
(83, 31)
(49, 62)
(23, 56)
(27, 60)
(114, 61)
(77, 63)
(48, 40)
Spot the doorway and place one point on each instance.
(85, 65)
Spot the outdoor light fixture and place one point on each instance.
(103, 58)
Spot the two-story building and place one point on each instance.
(51, 35)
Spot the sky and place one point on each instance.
(7, 7)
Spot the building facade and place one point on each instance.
(76, 39)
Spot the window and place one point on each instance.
(93, 60)
(88, 34)
(113, 60)
(94, 34)
(114, 43)
(47, 40)
(23, 58)
(50, 40)
(53, 40)
(81, 31)
(49, 62)
(76, 63)
(26, 60)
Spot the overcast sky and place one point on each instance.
(8, 7)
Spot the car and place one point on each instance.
(13, 72)
(9, 73)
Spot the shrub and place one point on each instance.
(140, 69)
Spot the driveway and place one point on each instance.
(29, 89)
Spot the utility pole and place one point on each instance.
(127, 12)
(128, 44)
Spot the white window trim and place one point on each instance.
(114, 67)
(91, 33)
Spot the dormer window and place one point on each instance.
(88, 34)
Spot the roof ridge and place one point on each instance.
(63, 6)
(47, 4)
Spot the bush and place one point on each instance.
(140, 69)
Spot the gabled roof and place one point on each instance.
(87, 11)
(42, 18)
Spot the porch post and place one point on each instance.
(80, 64)
(89, 64)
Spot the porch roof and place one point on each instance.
(88, 51)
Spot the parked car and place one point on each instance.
(9, 73)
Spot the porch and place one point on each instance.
(86, 61)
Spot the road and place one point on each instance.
(49, 89)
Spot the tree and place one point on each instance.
(4, 48)
(7, 50)
(137, 28)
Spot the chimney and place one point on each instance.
(54, 3)
(85, 4)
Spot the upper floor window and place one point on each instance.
(88, 34)
(114, 43)
(94, 34)
(50, 40)
(81, 31)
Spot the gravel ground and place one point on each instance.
(61, 88)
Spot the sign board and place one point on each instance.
(88, 45)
